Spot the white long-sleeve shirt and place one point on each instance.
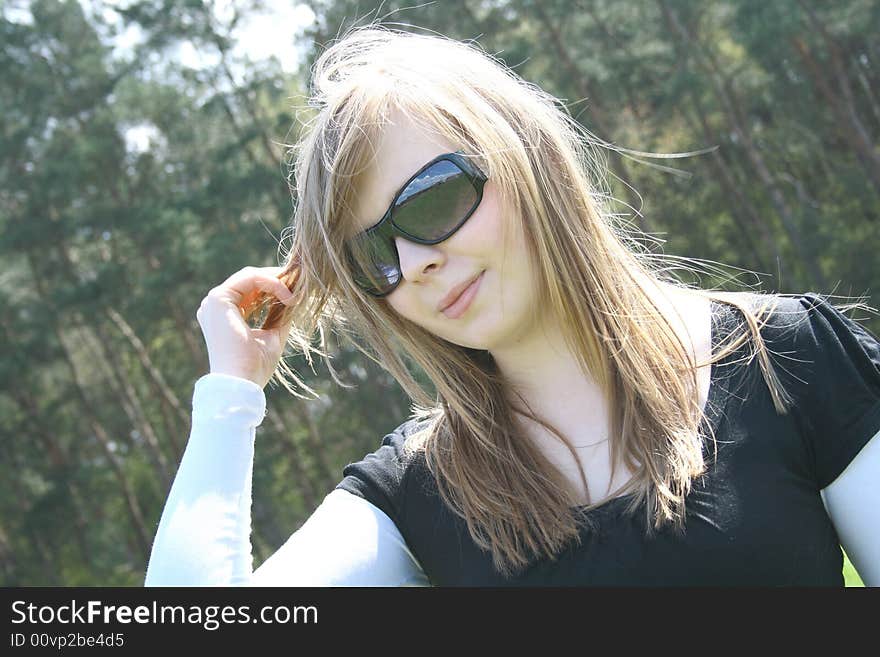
(203, 538)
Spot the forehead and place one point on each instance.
(403, 148)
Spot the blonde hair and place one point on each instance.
(590, 272)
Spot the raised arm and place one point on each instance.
(203, 538)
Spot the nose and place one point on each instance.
(417, 259)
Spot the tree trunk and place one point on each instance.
(740, 205)
(132, 506)
(848, 121)
(596, 111)
(314, 443)
(842, 103)
(154, 374)
(60, 467)
(735, 116)
(304, 482)
(133, 408)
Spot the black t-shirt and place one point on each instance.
(755, 517)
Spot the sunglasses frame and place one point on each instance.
(386, 229)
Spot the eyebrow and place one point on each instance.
(400, 189)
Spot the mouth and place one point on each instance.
(459, 299)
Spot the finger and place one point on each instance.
(245, 285)
(287, 325)
(289, 278)
(244, 277)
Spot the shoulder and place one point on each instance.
(817, 353)
(836, 362)
(801, 321)
(815, 330)
(397, 447)
(830, 363)
(381, 476)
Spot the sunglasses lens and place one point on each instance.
(431, 207)
(435, 203)
(374, 264)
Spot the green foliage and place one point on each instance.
(850, 576)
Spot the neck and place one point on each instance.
(541, 368)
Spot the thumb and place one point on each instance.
(286, 324)
(271, 341)
(280, 333)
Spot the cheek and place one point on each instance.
(405, 303)
(494, 238)
(501, 236)
(485, 228)
(481, 240)
(398, 303)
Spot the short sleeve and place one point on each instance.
(833, 365)
(380, 476)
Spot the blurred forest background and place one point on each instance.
(133, 179)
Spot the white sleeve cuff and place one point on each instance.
(212, 394)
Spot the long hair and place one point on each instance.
(591, 273)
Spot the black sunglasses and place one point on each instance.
(434, 203)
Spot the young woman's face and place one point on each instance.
(503, 306)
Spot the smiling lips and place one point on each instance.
(458, 300)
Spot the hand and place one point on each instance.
(234, 347)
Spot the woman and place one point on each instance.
(594, 421)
